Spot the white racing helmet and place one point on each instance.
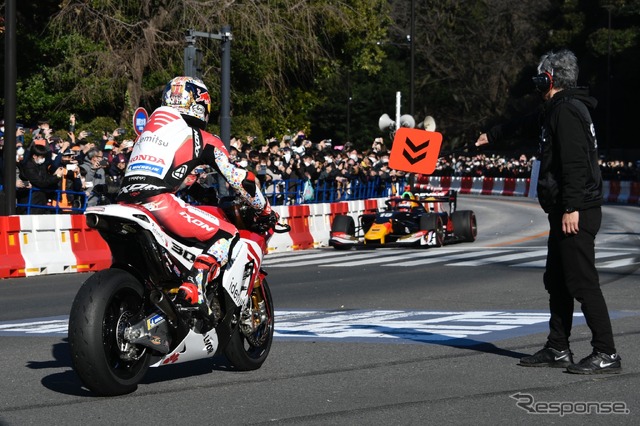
(190, 97)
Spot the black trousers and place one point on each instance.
(571, 274)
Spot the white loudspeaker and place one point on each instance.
(385, 122)
(428, 124)
(407, 121)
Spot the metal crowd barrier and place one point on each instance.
(279, 193)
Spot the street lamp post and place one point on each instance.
(192, 68)
(413, 55)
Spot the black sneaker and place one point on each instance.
(597, 363)
(548, 357)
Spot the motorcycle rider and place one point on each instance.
(172, 144)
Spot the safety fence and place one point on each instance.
(51, 244)
(58, 201)
(298, 192)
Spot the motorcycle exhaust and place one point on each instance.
(158, 299)
(93, 221)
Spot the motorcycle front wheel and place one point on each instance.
(105, 305)
(250, 343)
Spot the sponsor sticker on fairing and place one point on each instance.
(147, 167)
(154, 321)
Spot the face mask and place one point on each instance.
(287, 157)
(20, 152)
(354, 157)
(243, 163)
(39, 161)
(276, 163)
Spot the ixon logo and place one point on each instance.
(199, 223)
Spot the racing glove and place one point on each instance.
(267, 219)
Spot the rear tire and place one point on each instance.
(249, 352)
(433, 222)
(103, 307)
(465, 226)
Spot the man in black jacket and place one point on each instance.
(570, 192)
(35, 171)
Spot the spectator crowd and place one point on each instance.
(83, 169)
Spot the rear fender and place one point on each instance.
(126, 222)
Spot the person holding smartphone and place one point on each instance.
(44, 183)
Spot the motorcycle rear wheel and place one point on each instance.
(248, 353)
(101, 310)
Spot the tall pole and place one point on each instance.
(191, 65)
(609, 81)
(225, 87)
(349, 99)
(10, 76)
(413, 56)
(398, 106)
(191, 57)
(225, 101)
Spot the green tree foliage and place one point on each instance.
(605, 35)
(278, 49)
(469, 58)
(330, 68)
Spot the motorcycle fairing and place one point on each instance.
(194, 346)
(182, 253)
(235, 280)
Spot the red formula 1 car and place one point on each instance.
(422, 220)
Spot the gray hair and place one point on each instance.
(563, 67)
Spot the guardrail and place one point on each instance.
(50, 244)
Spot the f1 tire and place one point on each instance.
(346, 225)
(433, 222)
(465, 227)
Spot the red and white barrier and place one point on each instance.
(53, 244)
(12, 263)
(50, 244)
(479, 185)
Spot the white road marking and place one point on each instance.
(535, 257)
(542, 263)
(501, 259)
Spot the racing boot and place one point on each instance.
(191, 293)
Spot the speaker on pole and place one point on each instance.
(407, 120)
(428, 124)
(385, 123)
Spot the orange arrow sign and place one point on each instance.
(415, 150)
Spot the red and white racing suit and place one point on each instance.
(165, 153)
